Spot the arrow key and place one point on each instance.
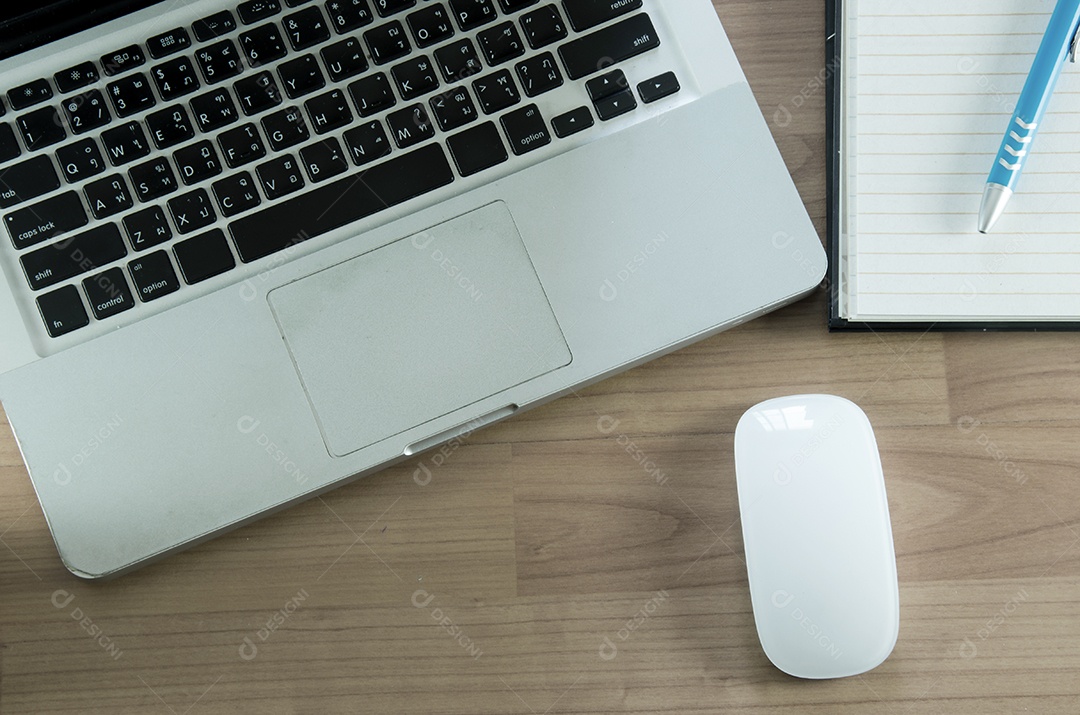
(572, 122)
(617, 104)
(657, 88)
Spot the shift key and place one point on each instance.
(46, 219)
(27, 180)
(66, 259)
(607, 46)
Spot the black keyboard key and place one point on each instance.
(501, 43)
(63, 311)
(328, 111)
(477, 149)
(415, 77)
(389, 7)
(168, 43)
(539, 74)
(496, 91)
(147, 228)
(367, 142)
(257, 93)
(41, 128)
(46, 219)
(262, 45)
(125, 143)
(9, 146)
(152, 179)
(131, 94)
(219, 61)
(585, 14)
(348, 15)
(255, 10)
(509, 6)
(372, 94)
(204, 257)
(616, 105)
(27, 180)
(344, 59)
(543, 27)
(301, 76)
(285, 128)
(123, 60)
(216, 25)
(410, 126)
(473, 13)
(169, 127)
(628, 38)
(305, 28)
(606, 85)
(76, 77)
(659, 87)
(387, 42)
(458, 60)
(453, 109)
(214, 110)
(176, 78)
(192, 211)
(280, 176)
(526, 130)
(29, 94)
(80, 160)
(241, 145)
(87, 111)
(341, 202)
(65, 259)
(574, 121)
(108, 196)
(323, 160)
(430, 25)
(236, 194)
(153, 276)
(108, 293)
(197, 162)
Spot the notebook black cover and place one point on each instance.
(834, 12)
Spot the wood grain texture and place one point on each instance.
(543, 536)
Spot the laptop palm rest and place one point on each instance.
(418, 329)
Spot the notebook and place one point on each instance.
(921, 94)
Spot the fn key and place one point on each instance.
(63, 311)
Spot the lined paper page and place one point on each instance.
(931, 87)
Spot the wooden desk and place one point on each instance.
(492, 589)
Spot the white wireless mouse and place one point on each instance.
(818, 541)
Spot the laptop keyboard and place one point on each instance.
(128, 177)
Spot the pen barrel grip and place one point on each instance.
(1014, 151)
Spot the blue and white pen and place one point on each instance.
(1058, 44)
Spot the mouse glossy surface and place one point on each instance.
(818, 541)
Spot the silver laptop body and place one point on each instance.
(344, 350)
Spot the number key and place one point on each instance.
(262, 45)
(306, 28)
(41, 128)
(347, 15)
(87, 111)
(219, 61)
(176, 78)
(131, 94)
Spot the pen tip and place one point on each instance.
(993, 205)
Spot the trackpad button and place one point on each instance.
(419, 328)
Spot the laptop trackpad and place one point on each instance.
(419, 328)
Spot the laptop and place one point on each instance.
(254, 250)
